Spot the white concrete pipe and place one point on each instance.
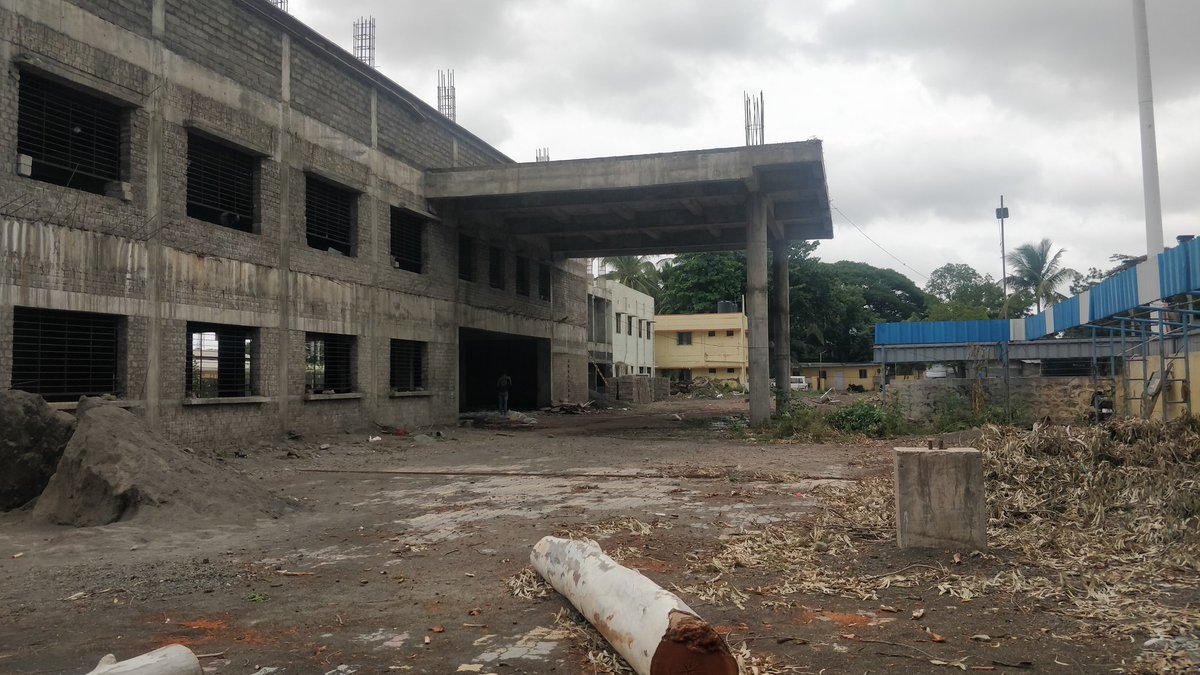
(169, 660)
(652, 628)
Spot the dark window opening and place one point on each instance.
(64, 355)
(731, 370)
(618, 323)
(712, 370)
(522, 276)
(683, 338)
(408, 241)
(823, 376)
(329, 216)
(220, 184)
(544, 271)
(73, 138)
(328, 363)
(640, 322)
(712, 333)
(408, 365)
(862, 374)
(496, 267)
(728, 333)
(466, 258)
(221, 361)
(629, 325)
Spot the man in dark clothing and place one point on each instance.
(502, 386)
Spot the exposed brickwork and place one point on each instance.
(146, 260)
(224, 36)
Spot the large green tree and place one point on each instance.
(1038, 269)
(959, 293)
(693, 283)
(636, 272)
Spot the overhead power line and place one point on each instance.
(877, 245)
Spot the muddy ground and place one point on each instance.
(406, 572)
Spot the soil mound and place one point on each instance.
(114, 468)
(32, 438)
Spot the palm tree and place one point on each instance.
(1034, 269)
(634, 271)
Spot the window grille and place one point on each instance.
(408, 241)
(712, 370)
(220, 187)
(683, 338)
(328, 363)
(728, 333)
(64, 355)
(544, 272)
(220, 361)
(496, 267)
(522, 275)
(466, 258)
(329, 216)
(712, 333)
(73, 138)
(408, 365)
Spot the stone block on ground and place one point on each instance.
(115, 468)
(32, 438)
(940, 499)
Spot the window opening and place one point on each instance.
(712, 333)
(408, 241)
(64, 355)
(618, 324)
(220, 361)
(862, 374)
(329, 216)
(496, 267)
(220, 184)
(522, 276)
(328, 363)
(683, 338)
(73, 138)
(408, 365)
(466, 258)
(544, 271)
(728, 333)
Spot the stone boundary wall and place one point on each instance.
(1059, 399)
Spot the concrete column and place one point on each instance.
(940, 499)
(284, 155)
(756, 308)
(780, 304)
(154, 248)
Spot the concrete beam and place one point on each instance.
(756, 305)
(609, 173)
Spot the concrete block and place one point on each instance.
(119, 189)
(939, 499)
(24, 165)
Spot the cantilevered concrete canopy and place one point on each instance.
(645, 204)
(678, 202)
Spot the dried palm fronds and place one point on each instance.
(528, 584)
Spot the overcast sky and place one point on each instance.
(929, 110)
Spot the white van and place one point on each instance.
(799, 383)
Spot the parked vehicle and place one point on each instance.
(799, 383)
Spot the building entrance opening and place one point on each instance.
(483, 356)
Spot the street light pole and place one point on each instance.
(1001, 214)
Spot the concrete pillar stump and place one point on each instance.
(939, 499)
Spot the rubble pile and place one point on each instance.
(32, 438)
(114, 468)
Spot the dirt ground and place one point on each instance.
(379, 572)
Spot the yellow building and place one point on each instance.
(688, 346)
(839, 376)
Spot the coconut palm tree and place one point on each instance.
(634, 271)
(1036, 270)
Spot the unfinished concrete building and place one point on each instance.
(232, 226)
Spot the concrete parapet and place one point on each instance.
(940, 499)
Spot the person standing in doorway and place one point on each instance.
(503, 384)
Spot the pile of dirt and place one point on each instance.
(32, 438)
(114, 468)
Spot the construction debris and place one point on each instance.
(169, 660)
(650, 627)
(567, 408)
(32, 438)
(115, 468)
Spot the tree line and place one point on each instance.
(835, 306)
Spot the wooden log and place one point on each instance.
(169, 660)
(652, 628)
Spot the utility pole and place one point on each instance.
(1001, 215)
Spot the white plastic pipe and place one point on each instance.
(652, 628)
(169, 660)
